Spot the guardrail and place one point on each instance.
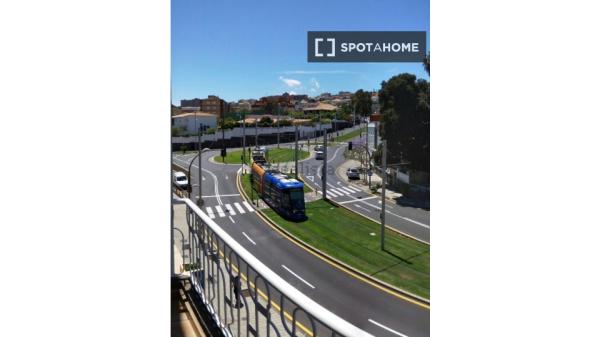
(244, 296)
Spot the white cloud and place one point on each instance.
(312, 72)
(315, 83)
(290, 82)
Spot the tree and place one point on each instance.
(265, 121)
(405, 106)
(426, 64)
(362, 102)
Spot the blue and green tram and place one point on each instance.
(283, 194)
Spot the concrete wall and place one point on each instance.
(191, 123)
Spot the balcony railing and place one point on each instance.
(244, 296)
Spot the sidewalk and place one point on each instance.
(360, 183)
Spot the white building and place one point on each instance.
(190, 122)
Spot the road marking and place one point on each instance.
(354, 189)
(226, 177)
(203, 178)
(347, 189)
(250, 209)
(230, 218)
(230, 209)
(340, 191)
(239, 208)
(332, 192)
(359, 206)
(388, 329)
(247, 237)
(355, 200)
(311, 178)
(220, 195)
(300, 278)
(220, 211)
(211, 214)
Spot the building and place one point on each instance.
(212, 105)
(318, 107)
(190, 122)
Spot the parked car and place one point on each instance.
(180, 180)
(353, 173)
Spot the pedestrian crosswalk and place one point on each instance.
(340, 191)
(218, 211)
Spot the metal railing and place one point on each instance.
(244, 296)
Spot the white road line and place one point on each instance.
(359, 206)
(354, 189)
(239, 208)
(300, 278)
(347, 189)
(220, 211)
(332, 193)
(388, 329)
(211, 214)
(355, 200)
(230, 209)
(388, 212)
(340, 191)
(220, 195)
(247, 237)
(230, 218)
(250, 209)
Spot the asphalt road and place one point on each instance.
(360, 303)
(410, 220)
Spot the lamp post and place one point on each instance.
(383, 182)
(200, 201)
(243, 140)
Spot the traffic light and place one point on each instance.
(349, 146)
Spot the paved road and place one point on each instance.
(410, 220)
(363, 305)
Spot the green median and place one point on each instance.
(348, 136)
(274, 155)
(355, 241)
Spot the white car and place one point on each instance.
(353, 173)
(180, 180)
(319, 155)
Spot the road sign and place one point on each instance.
(370, 172)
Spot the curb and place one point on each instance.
(377, 222)
(335, 262)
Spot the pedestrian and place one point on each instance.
(237, 285)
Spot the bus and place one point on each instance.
(282, 193)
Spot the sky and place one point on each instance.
(249, 49)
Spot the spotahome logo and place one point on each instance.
(366, 46)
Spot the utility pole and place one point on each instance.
(278, 118)
(383, 182)
(367, 154)
(199, 202)
(243, 140)
(324, 173)
(256, 132)
(296, 150)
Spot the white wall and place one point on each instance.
(191, 123)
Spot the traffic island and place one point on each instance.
(275, 155)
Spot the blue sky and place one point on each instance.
(250, 49)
